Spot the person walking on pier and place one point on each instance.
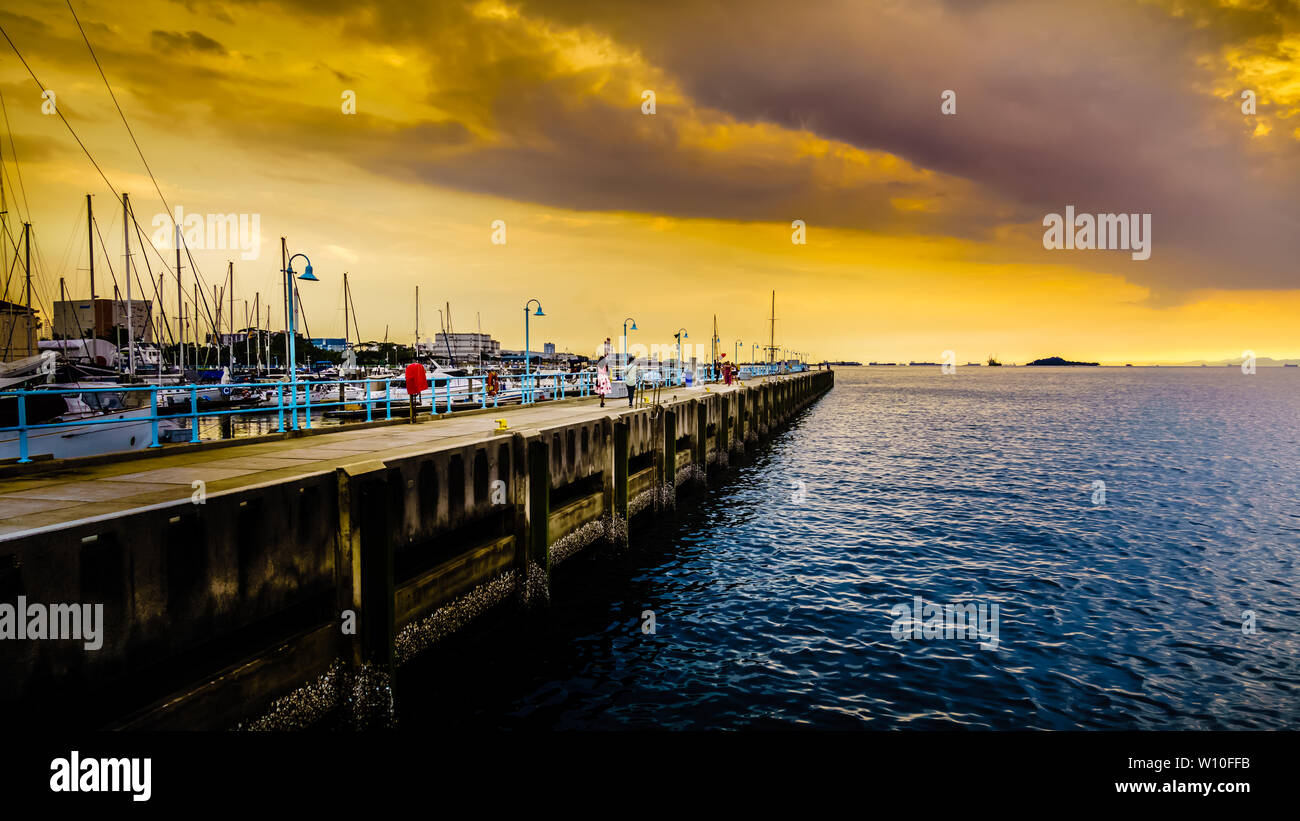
(630, 377)
(602, 379)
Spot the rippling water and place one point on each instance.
(974, 487)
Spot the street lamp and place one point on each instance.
(633, 321)
(307, 276)
(679, 336)
(737, 352)
(527, 367)
(753, 354)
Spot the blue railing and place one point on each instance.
(293, 408)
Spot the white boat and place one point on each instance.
(125, 426)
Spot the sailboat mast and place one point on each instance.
(130, 312)
(257, 325)
(231, 321)
(180, 303)
(63, 297)
(771, 339)
(90, 234)
(268, 337)
(4, 212)
(31, 319)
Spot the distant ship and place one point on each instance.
(994, 363)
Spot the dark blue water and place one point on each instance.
(772, 599)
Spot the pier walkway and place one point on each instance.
(59, 496)
(275, 581)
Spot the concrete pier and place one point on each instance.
(268, 583)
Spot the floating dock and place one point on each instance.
(268, 583)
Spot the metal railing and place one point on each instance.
(293, 408)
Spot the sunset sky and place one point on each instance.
(924, 230)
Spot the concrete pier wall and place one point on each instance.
(270, 606)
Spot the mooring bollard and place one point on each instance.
(539, 504)
(621, 475)
(365, 587)
(701, 455)
(670, 459)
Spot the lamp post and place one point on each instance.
(527, 366)
(737, 352)
(633, 321)
(679, 336)
(307, 276)
(753, 354)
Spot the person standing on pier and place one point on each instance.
(630, 377)
(602, 379)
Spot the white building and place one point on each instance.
(462, 347)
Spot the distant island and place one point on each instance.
(1057, 361)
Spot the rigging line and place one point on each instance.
(17, 205)
(67, 249)
(39, 306)
(14, 264)
(157, 295)
(89, 156)
(13, 151)
(149, 325)
(107, 260)
(115, 103)
(18, 251)
(76, 137)
(43, 269)
(138, 150)
(58, 111)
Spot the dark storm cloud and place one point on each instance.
(1091, 104)
(193, 41)
(1100, 104)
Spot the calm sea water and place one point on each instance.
(772, 599)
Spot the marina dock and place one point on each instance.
(269, 582)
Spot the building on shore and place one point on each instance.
(88, 318)
(330, 343)
(541, 359)
(464, 347)
(17, 327)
